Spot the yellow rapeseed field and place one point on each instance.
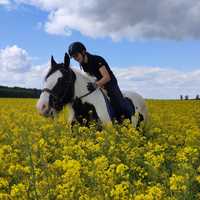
(44, 159)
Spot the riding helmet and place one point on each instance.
(76, 47)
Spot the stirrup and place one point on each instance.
(135, 119)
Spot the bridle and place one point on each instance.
(59, 101)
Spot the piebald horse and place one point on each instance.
(67, 86)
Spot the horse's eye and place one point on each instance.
(43, 106)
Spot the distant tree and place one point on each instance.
(17, 92)
(197, 97)
(181, 97)
(186, 97)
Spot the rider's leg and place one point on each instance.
(119, 103)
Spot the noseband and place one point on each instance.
(57, 102)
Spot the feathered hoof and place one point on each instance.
(135, 119)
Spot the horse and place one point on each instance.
(66, 86)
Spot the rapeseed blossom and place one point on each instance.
(46, 159)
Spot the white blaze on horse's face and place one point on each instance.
(43, 102)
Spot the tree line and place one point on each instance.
(18, 92)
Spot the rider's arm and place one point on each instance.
(105, 76)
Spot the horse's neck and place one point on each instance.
(80, 87)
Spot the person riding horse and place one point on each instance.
(97, 66)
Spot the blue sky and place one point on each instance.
(152, 54)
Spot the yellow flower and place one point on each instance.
(19, 191)
(101, 163)
(198, 179)
(120, 191)
(3, 183)
(121, 169)
(177, 183)
(83, 129)
(4, 196)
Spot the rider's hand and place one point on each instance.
(91, 86)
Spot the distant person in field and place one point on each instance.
(97, 66)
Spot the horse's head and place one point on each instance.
(58, 88)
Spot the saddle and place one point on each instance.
(113, 113)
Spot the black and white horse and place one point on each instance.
(66, 86)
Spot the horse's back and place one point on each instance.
(139, 103)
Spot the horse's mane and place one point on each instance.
(83, 75)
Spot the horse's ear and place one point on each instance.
(66, 60)
(53, 62)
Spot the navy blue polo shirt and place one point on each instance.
(94, 64)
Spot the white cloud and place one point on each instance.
(17, 68)
(31, 79)
(4, 2)
(132, 19)
(156, 82)
(14, 59)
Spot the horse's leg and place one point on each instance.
(98, 101)
(70, 114)
(102, 112)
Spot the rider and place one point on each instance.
(98, 67)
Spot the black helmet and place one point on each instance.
(76, 47)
